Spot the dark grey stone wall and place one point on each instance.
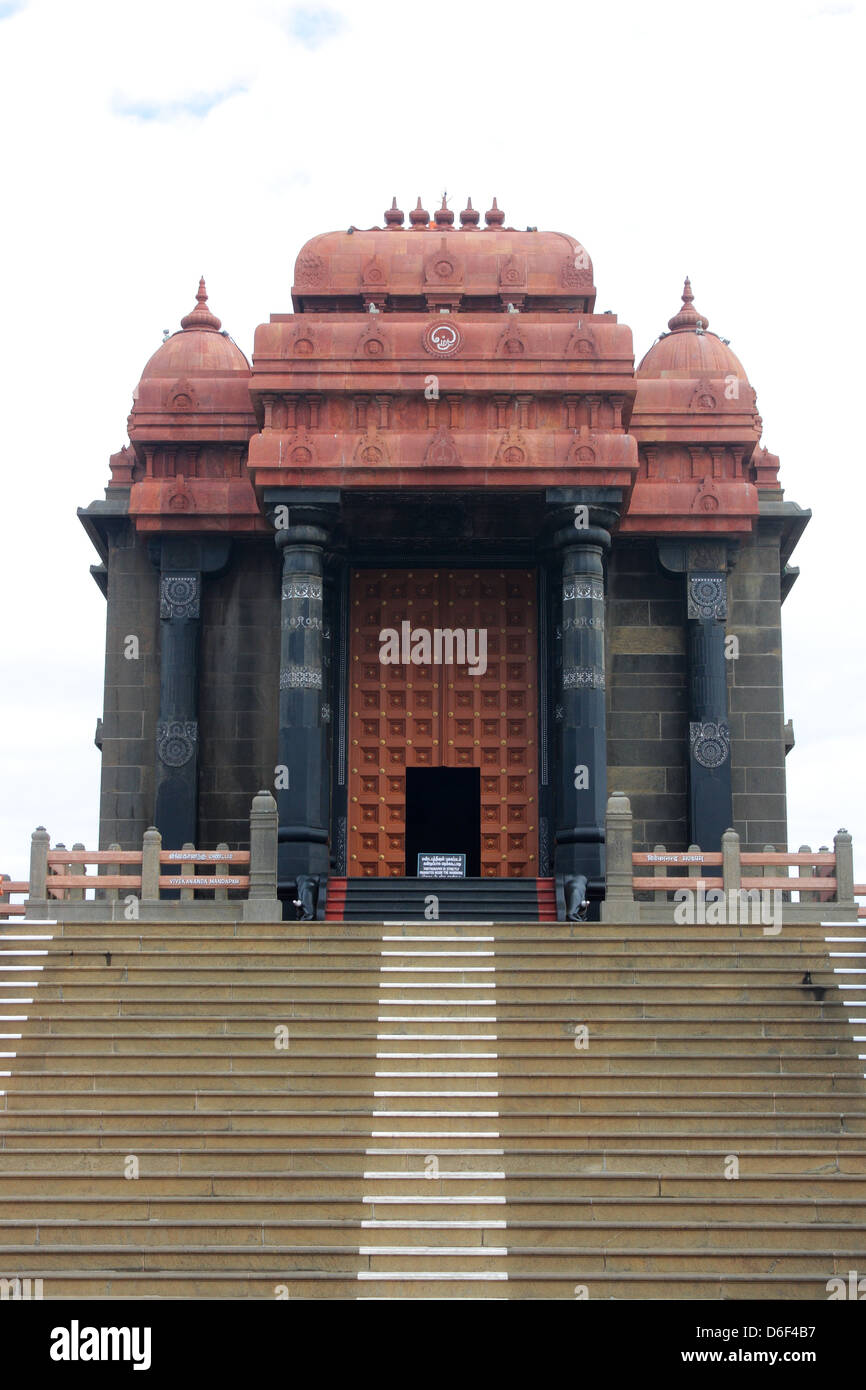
(647, 693)
(239, 678)
(755, 699)
(131, 701)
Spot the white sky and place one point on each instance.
(146, 144)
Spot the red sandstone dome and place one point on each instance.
(433, 263)
(196, 384)
(688, 350)
(199, 349)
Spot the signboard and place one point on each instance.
(675, 859)
(441, 865)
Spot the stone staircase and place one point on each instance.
(358, 1110)
(466, 899)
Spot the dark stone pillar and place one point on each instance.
(304, 722)
(710, 806)
(579, 704)
(182, 564)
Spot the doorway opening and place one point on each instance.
(443, 815)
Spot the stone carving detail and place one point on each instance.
(512, 449)
(176, 741)
(559, 713)
(583, 452)
(340, 847)
(582, 677)
(581, 344)
(300, 678)
(442, 451)
(584, 588)
(372, 342)
(310, 270)
(706, 500)
(543, 847)
(512, 272)
(576, 272)
(702, 397)
(708, 555)
(707, 597)
(710, 743)
(326, 714)
(373, 272)
(178, 596)
(511, 342)
(371, 451)
(443, 339)
(302, 588)
(181, 396)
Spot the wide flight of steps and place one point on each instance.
(435, 1126)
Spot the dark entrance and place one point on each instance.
(443, 815)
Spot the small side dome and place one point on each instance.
(688, 350)
(199, 349)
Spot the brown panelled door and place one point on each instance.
(408, 710)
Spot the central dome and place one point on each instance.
(431, 263)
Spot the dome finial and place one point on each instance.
(687, 319)
(201, 316)
(469, 216)
(419, 217)
(394, 215)
(493, 217)
(443, 216)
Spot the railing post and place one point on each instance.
(113, 894)
(695, 870)
(619, 904)
(844, 848)
(40, 841)
(77, 894)
(151, 848)
(187, 895)
(660, 896)
(220, 895)
(263, 859)
(805, 871)
(731, 873)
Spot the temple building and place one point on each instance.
(442, 567)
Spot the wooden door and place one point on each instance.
(441, 715)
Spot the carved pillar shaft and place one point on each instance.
(710, 805)
(176, 811)
(581, 759)
(304, 802)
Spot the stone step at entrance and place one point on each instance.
(457, 900)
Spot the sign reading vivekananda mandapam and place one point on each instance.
(441, 865)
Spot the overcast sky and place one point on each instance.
(147, 144)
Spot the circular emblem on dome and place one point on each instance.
(301, 456)
(371, 455)
(374, 347)
(442, 339)
(585, 454)
(303, 347)
(513, 454)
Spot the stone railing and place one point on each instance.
(728, 886)
(133, 885)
